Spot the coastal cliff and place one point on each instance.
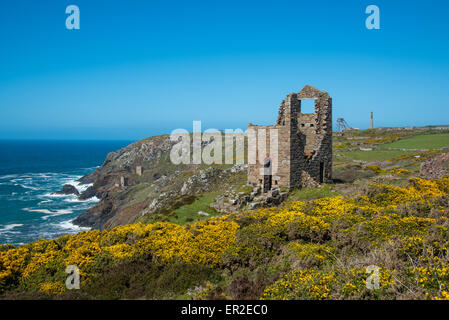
(140, 183)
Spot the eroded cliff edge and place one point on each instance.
(129, 194)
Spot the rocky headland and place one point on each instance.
(140, 183)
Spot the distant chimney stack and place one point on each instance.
(372, 120)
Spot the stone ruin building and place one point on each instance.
(304, 144)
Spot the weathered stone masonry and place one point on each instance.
(304, 142)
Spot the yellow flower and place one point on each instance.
(52, 287)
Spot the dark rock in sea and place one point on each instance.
(88, 193)
(67, 189)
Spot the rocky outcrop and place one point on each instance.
(88, 193)
(204, 181)
(89, 178)
(148, 154)
(231, 202)
(435, 168)
(155, 189)
(67, 189)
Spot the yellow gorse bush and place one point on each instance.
(200, 243)
(52, 287)
(301, 284)
(311, 251)
(12, 263)
(399, 171)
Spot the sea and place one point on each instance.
(30, 171)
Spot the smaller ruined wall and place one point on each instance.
(282, 176)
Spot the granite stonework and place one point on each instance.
(304, 143)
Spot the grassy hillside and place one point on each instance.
(316, 249)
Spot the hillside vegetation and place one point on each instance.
(317, 249)
(316, 245)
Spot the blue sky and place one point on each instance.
(143, 67)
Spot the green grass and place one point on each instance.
(374, 155)
(309, 194)
(245, 189)
(189, 212)
(427, 141)
(140, 193)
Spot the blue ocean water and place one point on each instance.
(30, 171)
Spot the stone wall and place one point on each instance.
(304, 142)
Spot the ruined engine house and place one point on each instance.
(304, 144)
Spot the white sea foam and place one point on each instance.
(80, 187)
(49, 208)
(46, 211)
(54, 195)
(29, 187)
(37, 210)
(9, 176)
(44, 175)
(75, 199)
(68, 225)
(9, 227)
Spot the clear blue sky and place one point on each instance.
(142, 67)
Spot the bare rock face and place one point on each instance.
(435, 168)
(87, 194)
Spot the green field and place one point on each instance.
(374, 155)
(427, 141)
